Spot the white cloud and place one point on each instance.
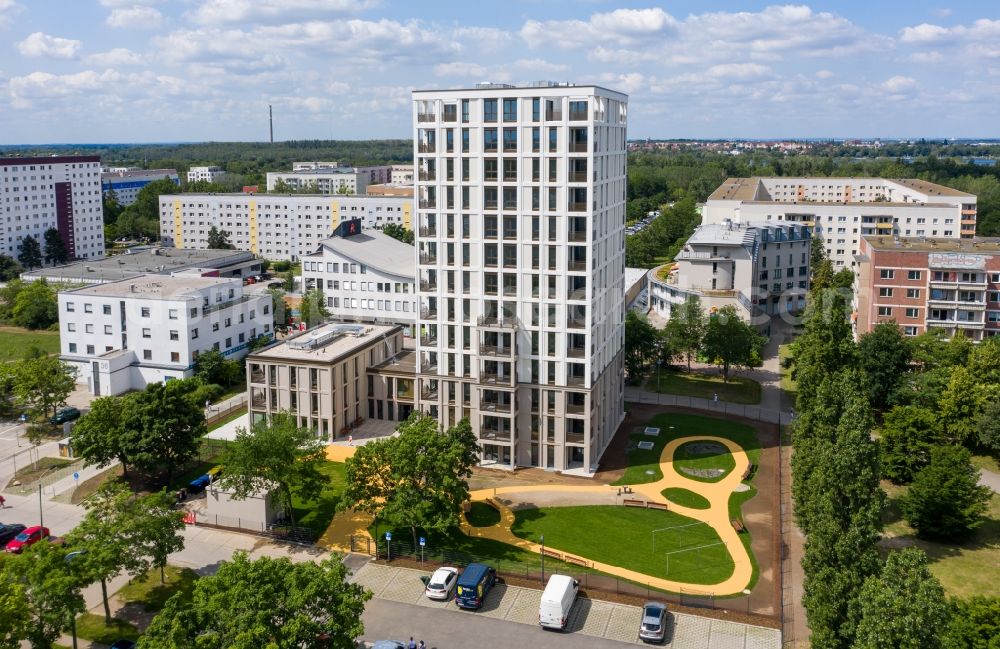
(932, 56)
(539, 66)
(459, 69)
(983, 30)
(219, 12)
(899, 85)
(942, 12)
(925, 33)
(483, 39)
(118, 56)
(39, 44)
(824, 74)
(43, 85)
(7, 10)
(112, 4)
(134, 17)
(739, 71)
(623, 26)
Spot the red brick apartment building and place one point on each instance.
(951, 284)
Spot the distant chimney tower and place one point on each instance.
(270, 122)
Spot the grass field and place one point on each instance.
(685, 498)
(787, 382)
(986, 462)
(684, 425)
(42, 467)
(92, 627)
(963, 569)
(15, 342)
(317, 513)
(152, 594)
(623, 536)
(694, 457)
(706, 386)
(482, 515)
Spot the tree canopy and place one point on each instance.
(945, 500)
(29, 253)
(731, 342)
(55, 248)
(218, 239)
(35, 306)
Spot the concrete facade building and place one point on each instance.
(211, 174)
(760, 268)
(520, 237)
(401, 175)
(61, 192)
(329, 378)
(929, 283)
(366, 277)
(321, 180)
(155, 260)
(126, 183)
(842, 210)
(124, 335)
(274, 226)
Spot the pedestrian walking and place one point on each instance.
(3, 502)
(421, 645)
(411, 644)
(715, 397)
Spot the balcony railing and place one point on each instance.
(510, 205)
(491, 378)
(429, 339)
(578, 147)
(495, 406)
(429, 367)
(489, 205)
(496, 322)
(576, 380)
(576, 265)
(577, 235)
(578, 115)
(576, 324)
(428, 258)
(428, 204)
(577, 206)
(258, 402)
(429, 393)
(426, 147)
(426, 285)
(578, 176)
(426, 117)
(576, 352)
(427, 175)
(428, 232)
(257, 377)
(574, 438)
(553, 114)
(575, 409)
(494, 350)
(494, 434)
(428, 312)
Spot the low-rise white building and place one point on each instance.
(204, 173)
(124, 335)
(760, 268)
(401, 175)
(274, 226)
(127, 183)
(321, 180)
(367, 277)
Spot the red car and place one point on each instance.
(28, 537)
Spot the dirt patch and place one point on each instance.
(705, 448)
(704, 473)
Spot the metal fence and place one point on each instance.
(46, 480)
(757, 413)
(300, 535)
(753, 603)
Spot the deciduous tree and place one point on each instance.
(55, 248)
(313, 307)
(9, 268)
(884, 356)
(98, 436)
(945, 500)
(218, 239)
(163, 426)
(42, 384)
(908, 434)
(29, 253)
(961, 404)
(686, 328)
(157, 528)
(52, 588)
(729, 341)
(397, 231)
(36, 306)
(264, 603)
(975, 623)
(640, 345)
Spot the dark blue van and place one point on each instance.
(473, 585)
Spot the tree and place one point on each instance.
(907, 436)
(36, 307)
(729, 341)
(397, 231)
(418, 479)
(9, 268)
(162, 426)
(686, 328)
(264, 603)
(945, 500)
(884, 356)
(975, 623)
(313, 307)
(640, 345)
(825, 346)
(42, 384)
(989, 427)
(960, 405)
(212, 366)
(278, 306)
(274, 454)
(112, 206)
(98, 436)
(16, 619)
(157, 528)
(55, 248)
(904, 607)
(984, 361)
(51, 587)
(218, 239)
(29, 253)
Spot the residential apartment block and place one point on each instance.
(929, 283)
(275, 226)
(520, 215)
(330, 178)
(124, 335)
(843, 210)
(333, 377)
(211, 174)
(61, 192)
(401, 175)
(762, 269)
(126, 183)
(365, 277)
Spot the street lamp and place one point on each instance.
(659, 362)
(69, 558)
(543, 558)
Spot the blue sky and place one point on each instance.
(184, 70)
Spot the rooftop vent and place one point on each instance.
(486, 85)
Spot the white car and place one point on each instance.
(441, 583)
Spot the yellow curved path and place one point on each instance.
(717, 516)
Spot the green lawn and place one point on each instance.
(482, 515)
(152, 594)
(15, 342)
(42, 467)
(787, 382)
(696, 456)
(317, 513)
(624, 536)
(685, 498)
(986, 462)
(225, 420)
(706, 386)
(963, 569)
(92, 627)
(641, 461)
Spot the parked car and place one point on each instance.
(123, 644)
(557, 602)
(441, 583)
(653, 627)
(198, 484)
(388, 644)
(64, 415)
(27, 537)
(8, 532)
(474, 584)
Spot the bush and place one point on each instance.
(206, 392)
(945, 500)
(282, 266)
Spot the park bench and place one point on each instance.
(577, 560)
(552, 553)
(652, 505)
(748, 472)
(738, 525)
(629, 502)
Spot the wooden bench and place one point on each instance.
(738, 525)
(577, 560)
(552, 553)
(628, 502)
(748, 472)
(652, 505)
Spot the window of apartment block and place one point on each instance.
(88, 308)
(175, 357)
(144, 312)
(536, 109)
(107, 330)
(107, 309)
(465, 111)
(489, 110)
(510, 110)
(172, 314)
(913, 274)
(909, 331)
(174, 336)
(886, 273)
(72, 348)
(885, 311)
(70, 307)
(883, 291)
(913, 293)
(147, 333)
(911, 313)
(147, 354)
(90, 350)
(194, 333)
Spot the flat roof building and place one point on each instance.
(151, 260)
(127, 183)
(209, 174)
(842, 210)
(920, 284)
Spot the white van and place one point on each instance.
(557, 600)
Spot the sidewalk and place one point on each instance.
(989, 479)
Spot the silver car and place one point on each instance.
(441, 583)
(653, 627)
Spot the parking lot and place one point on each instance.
(594, 618)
